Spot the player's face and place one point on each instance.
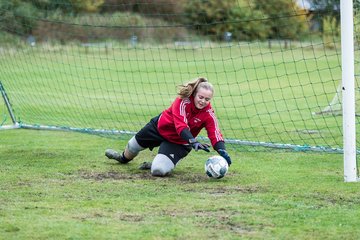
(202, 98)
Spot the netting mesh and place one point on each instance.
(110, 72)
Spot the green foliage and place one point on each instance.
(261, 20)
(118, 25)
(215, 17)
(170, 10)
(249, 24)
(246, 20)
(10, 40)
(212, 17)
(17, 17)
(331, 31)
(47, 6)
(328, 8)
(286, 19)
(70, 6)
(89, 6)
(357, 23)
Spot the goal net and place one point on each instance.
(106, 67)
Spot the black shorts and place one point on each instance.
(149, 137)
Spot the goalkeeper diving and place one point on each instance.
(175, 130)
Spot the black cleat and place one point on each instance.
(112, 154)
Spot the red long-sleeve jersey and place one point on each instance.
(183, 114)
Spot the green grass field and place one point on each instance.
(59, 185)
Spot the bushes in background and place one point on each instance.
(158, 20)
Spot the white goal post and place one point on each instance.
(348, 89)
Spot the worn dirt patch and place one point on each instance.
(220, 219)
(113, 175)
(234, 189)
(131, 217)
(184, 179)
(99, 176)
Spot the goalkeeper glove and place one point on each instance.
(225, 155)
(196, 145)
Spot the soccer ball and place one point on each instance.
(216, 167)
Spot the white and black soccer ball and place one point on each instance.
(216, 167)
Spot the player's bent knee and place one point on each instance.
(161, 165)
(133, 147)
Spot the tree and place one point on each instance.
(210, 17)
(216, 17)
(286, 19)
(17, 17)
(329, 9)
(249, 24)
(170, 10)
(70, 6)
(87, 5)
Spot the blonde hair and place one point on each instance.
(190, 88)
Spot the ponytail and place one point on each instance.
(190, 88)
